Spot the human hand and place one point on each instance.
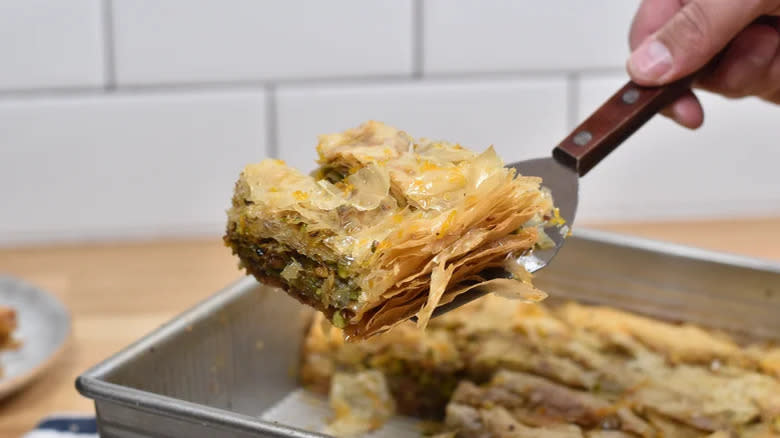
(671, 39)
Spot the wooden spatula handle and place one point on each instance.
(619, 117)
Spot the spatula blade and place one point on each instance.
(563, 183)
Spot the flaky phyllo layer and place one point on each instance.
(387, 227)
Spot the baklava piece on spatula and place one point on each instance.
(388, 227)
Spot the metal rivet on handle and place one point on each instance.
(582, 138)
(631, 96)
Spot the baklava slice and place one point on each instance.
(8, 324)
(388, 227)
(496, 368)
(7, 327)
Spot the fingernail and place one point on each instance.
(650, 61)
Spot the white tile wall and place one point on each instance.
(124, 165)
(201, 40)
(510, 35)
(726, 168)
(521, 118)
(198, 88)
(50, 44)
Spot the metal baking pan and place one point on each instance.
(214, 369)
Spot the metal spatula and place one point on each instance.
(619, 117)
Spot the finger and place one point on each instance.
(693, 36)
(773, 79)
(773, 97)
(686, 111)
(773, 76)
(651, 16)
(745, 67)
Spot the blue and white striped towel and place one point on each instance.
(65, 426)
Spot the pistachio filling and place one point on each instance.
(330, 284)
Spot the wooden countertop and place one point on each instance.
(119, 292)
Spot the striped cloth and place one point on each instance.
(65, 426)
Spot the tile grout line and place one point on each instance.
(243, 85)
(109, 58)
(418, 38)
(572, 100)
(271, 122)
(39, 93)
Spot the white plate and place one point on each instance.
(43, 328)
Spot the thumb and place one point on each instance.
(688, 40)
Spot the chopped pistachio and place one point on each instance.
(342, 271)
(354, 294)
(338, 320)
